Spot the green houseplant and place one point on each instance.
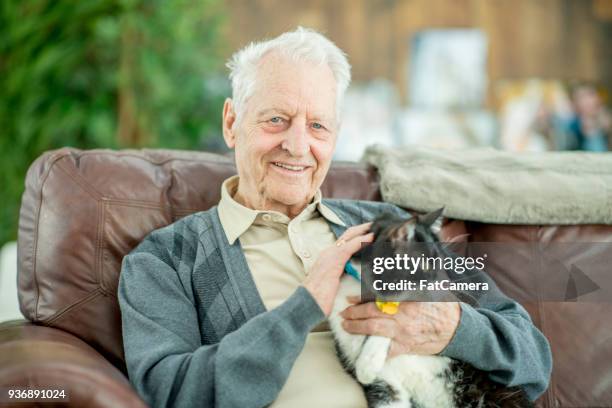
(104, 73)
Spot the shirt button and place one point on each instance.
(306, 254)
(267, 217)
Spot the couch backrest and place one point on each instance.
(82, 211)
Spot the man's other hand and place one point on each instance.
(323, 278)
(417, 327)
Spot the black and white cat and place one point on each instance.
(412, 381)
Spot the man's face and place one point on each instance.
(285, 139)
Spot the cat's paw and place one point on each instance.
(365, 375)
(372, 359)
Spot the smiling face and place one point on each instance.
(286, 136)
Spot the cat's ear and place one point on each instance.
(433, 220)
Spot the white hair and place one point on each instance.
(300, 45)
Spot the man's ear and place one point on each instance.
(229, 118)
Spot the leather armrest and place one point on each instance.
(43, 357)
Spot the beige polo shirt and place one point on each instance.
(279, 252)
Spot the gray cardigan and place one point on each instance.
(196, 333)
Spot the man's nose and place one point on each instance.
(296, 140)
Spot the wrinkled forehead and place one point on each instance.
(280, 82)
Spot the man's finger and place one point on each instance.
(355, 231)
(372, 327)
(395, 350)
(354, 245)
(363, 311)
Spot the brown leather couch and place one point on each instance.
(82, 211)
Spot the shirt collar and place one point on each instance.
(236, 219)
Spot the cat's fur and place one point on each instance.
(412, 381)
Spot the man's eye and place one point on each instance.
(316, 125)
(276, 120)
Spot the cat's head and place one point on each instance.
(413, 236)
(424, 228)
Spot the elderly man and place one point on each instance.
(224, 307)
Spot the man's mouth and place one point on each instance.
(291, 167)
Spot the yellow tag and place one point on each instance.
(388, 307)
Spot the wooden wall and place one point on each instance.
(552, 39)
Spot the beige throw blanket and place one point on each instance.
(493, 186)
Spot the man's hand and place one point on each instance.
(417, 328)
(324, 277)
